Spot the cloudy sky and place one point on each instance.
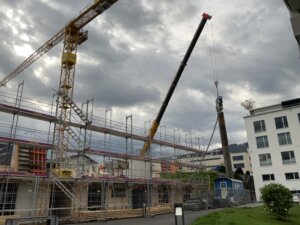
(134, 50)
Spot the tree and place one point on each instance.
(249, 182)
(239, 174)
(278, 199)
(249, 185)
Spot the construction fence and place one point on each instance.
(88, 199)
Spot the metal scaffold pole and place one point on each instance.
(128, 172)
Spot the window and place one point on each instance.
(94, 196)
(165, 167)
(118, 190)
(8, 197)
(292, 176)
(284, 138)
(238, 157)
(259, 126)
(164, 193)
(223, 185)
(267, 177)
(262, 142)
(239, 165)
(281, 122)
(265, 159)
(288, 157)
(299, 117)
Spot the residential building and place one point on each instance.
(274, 144)
(213, 159)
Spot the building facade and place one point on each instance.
(241, 160)
(274, 144)
(213, 159)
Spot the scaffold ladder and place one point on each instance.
(76, 109)
(70, 195)
(74, 136)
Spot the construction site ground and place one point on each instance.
(165, 219)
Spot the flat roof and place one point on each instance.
(277, 107)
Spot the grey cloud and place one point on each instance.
(253, 46)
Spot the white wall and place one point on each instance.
(277, 168)
(140, 169)
(246, 160)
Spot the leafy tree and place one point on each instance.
(278, 199)
(239, 174)
(220, 169)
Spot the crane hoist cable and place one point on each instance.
(209, 142)
(212, 54)
(215, 77)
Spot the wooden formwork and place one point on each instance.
(109, 214)
(160, 209)
(123, 213)
(4, 218)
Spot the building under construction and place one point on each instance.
(102, 169)
(79, 165)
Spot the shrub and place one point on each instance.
(278, 199)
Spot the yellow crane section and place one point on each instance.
(72, 35)
(88, 14)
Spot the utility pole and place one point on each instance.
(223, 134)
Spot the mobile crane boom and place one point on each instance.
(145, 150)
(94, 9)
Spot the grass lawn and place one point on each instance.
(248, 216)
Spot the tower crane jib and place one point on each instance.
(72, 35)
(90, 12)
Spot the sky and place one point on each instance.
(135, 48)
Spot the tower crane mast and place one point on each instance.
(72, 35)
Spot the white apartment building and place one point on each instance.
(274, 144)
(240, 158)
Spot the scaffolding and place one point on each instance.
(104, 176)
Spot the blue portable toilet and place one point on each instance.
(229, 188)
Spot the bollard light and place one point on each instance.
(178, 211)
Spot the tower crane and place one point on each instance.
(146, 147)
(87, 15)
(72, 35)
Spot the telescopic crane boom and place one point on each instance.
(145, 150)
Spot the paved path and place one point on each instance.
(166, 219)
